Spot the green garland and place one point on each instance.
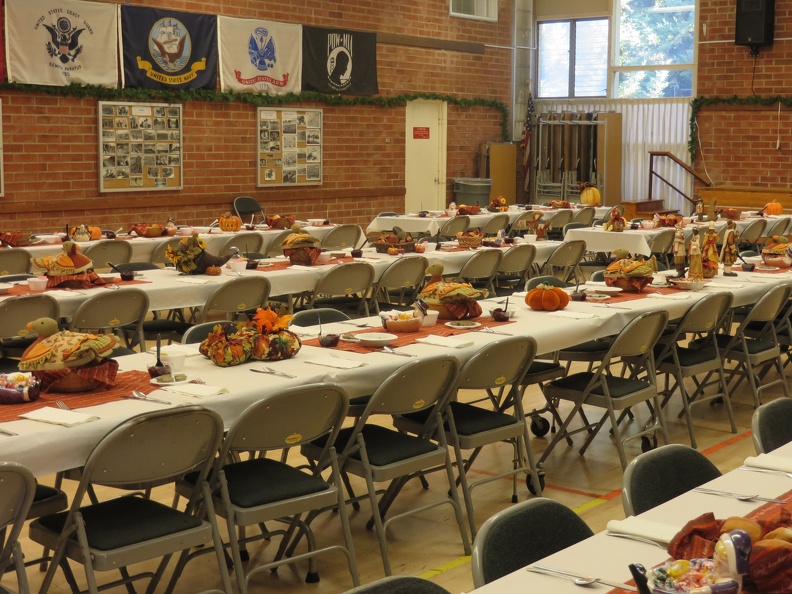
(180, 96)
(699, 102)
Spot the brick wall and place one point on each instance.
(50, 143)
(740, 142)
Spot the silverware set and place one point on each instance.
(271, 371)
(765, 470)
(577, 579)
(737, 496)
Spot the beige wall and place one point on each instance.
(550, 9)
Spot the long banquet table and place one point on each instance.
(607, 557)
(40, 446)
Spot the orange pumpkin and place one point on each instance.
(773, 208)
(214, 270)
(547, 298)
(229, 222)
(590, 196)
(95, 232)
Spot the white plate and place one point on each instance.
(376, 339)
(5, 288)
(349, 337)
(767, 268)
(596, 297)
(154, 381)
(462, 324)
(604, 289)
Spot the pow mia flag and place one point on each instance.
(338, 61)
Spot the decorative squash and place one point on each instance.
(547, 298)
(773, 208)
(229, 222)
(214, 270)
(94, 232)
(729, 213)
(590, 196)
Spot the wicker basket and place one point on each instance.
(469, 241)
(632, 284)
(382, 246)
(411, 325)
(302, 256)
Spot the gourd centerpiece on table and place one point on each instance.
(498, 205)
(229, 222)
(630, 273)
(773, 208)
(85, 233)
(265, 338)
(589, 194)
(301, 248)
(547, 298)
(66, 361)
(189, 256)
(777, 252)
(69, 269)
(453, 301)
(393, 243)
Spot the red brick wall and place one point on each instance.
(50, 143)
(740, 142)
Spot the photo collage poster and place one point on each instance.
(289, 147)
(2, 170)
(140, 146)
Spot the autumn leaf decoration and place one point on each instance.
(268, 321)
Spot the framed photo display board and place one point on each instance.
(2, 170)
(140, 146)
(289, 147)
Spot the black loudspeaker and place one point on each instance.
(754, 24)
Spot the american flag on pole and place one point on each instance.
(525, 143)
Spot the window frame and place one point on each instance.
(572, 49)
(491, 5)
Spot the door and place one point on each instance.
(425, 156)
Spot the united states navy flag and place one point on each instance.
(165, 49)
(339, 61)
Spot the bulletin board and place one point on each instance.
(2, 170)
(140, 146)
(289, 147)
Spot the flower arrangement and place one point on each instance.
(190, 256)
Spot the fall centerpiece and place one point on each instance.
(777, 252)
(264, 338)
(388, 241)
(189, 256)
(470, 239)
(454, 301)
(280, 221)
(150, 230)
(301, 248)
(498, 205)
(69, 269)
(545, 297)
(630, 274)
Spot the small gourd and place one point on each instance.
(773, 208)
(214, 270)
(590, 196)
(229, 222)
(547, 298)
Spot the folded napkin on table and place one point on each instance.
(675, 296)
(575, 315)
(661, 533)
(334, 362)
(300, 267)
(58, 416)
(724, 285)
(769, 462)
(445, 341)
(190, 350)
(196, 390)
(197, 281)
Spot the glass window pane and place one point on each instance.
(591, 58)
(554, 59)
(656, 32)
(650, 84)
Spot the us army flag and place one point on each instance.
(260, 56)
(59, 42)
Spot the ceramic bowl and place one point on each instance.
(430, 319)
(647, 224)
(316, 222)
(37, 285)
(202, 229)
(186, 231)
(688, 285)
(411, 325)
(376, 339)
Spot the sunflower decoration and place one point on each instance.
(186, 252)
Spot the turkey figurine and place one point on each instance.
(54, 349)
(454, 301)
(69, 269)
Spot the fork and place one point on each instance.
(489, 330)
(141, 396)
(351, 323)
(767, 470)
(62, 405)
(272, 372)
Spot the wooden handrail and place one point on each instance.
(678, 161)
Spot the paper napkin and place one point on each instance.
(196, 390)
(769, 462)
(58, 416)
(672, 296)
(445, 341)
(634, 526)
(196, 281)
(575, 315)
(336, 363)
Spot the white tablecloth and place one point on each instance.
(598, 240)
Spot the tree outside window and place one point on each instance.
(573, 58)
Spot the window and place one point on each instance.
(573, 58)
(655, 48)
(475, 9)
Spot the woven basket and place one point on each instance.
(302, 256)
(633, 284)
(73, 383)
(469, 241)
(382, 246)
(412, 325)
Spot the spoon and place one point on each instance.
(159, 343)
(389, 350)
(767, 470)
(114, 267)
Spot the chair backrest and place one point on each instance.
(706, 315)
(661, 243)
(136, 266)
(777, 227)
(274, 248)
(237, 295)
(481, 265)
(249, 241)
(158, 255)
(545, 280)
(495, 224)
(768, 306)
(245, 206)
(16, 312)
(638, 337)
(454, 225)
(15, 261)
(496, 364)
(399, 584)
(199, 332)
(567, 254)
(522, 534)
(585, 216)
(16, 496)
(659, 475)
(559, 218)
(12, 278)
(346, 279)
(520, 223)
(598, 276)
(405, 273)
(517, 259)
(288, 418)
(772, 425)
(343, 236)
(111, 310)
(108, 250)
(312, 317)
(753, 231)
(572, 225)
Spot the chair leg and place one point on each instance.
(372, 494)
(685, 409)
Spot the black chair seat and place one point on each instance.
(470, 419)
(538, 367)
(617, 386)
(590, 346)
(8, 365)
(689, 357)
(755, 345)
(125, 521)
(385, 446)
